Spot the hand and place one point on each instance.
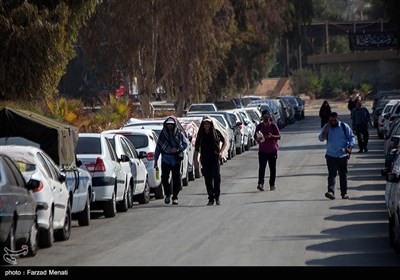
(155, 165)
(174, 150)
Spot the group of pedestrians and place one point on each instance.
(210, 143)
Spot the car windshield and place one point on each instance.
(88, 145)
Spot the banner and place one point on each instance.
(373, 41)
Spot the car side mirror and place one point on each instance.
(32, 184)
(79, 163)
(190, 138)
(61, 178)
(124, 158)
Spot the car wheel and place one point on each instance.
(110, 208)
(46, 236)
(130, 196)
(65, 232)
(122, 206)
(84, 216)
(33, 240)
(8, 245)
(144, 197)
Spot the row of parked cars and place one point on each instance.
(386, 119)
(39, 198)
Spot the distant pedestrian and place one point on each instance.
(324, 112)
(360, 119)
(267, 135)
(352, 102)
(208, 144)
(340, 142)
(171, 142)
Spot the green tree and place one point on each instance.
(36, 42)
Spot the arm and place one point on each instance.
(183, 141)
(324, 133)
(157, 154)
(222, 139)
(276, 135)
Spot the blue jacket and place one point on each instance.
(337, 141)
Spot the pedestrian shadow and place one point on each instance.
(302, 148)
(364, 178)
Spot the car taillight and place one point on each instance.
(150, 156)
(97, 167)
(38, 189)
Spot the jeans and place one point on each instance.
(263, 159)
(336, 165)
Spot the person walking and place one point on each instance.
(360, 120)
(170, 143)
(208, 144)
(267, 135)
(340, 142)
(324, 112)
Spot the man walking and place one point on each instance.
(170, 143)
(267, 135)
(361, 118)
(340, 141)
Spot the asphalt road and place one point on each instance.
(292, 226)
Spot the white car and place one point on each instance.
(145, 140)
(133, 166)
(52, 196)
(79, 183)
(108, 180)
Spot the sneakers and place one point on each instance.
(330, 195)
(345, 196)
(365, 150)
(167, 199)
(210, 202)
(175, 201)
(217, 202)
(260, 187)
(272, 188)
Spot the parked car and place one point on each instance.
(109, 183)
(145, 140)
(134, 168)
(392, 200)
(196, 107)
(52, 196)
(18, 220)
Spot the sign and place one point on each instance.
(374, 41)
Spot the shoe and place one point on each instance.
(175, 201)
(272, 188)
(366, 150)
(167, 199)
(360, 151)
(345, 196)
(217, 202)
(260, 187)
(330, 195)
(210, 203)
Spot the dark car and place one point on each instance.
(18, 224)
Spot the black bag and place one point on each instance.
(179, 156)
